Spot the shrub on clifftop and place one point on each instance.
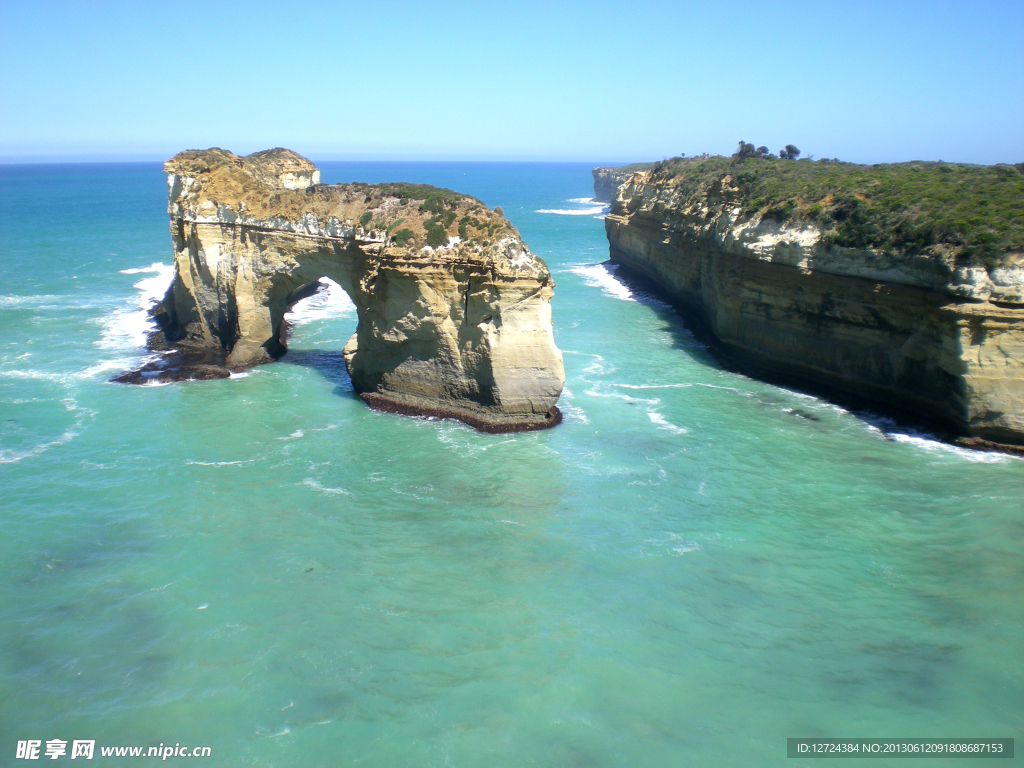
(973, 213)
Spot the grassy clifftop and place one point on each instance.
(625, 170)
(973, 213)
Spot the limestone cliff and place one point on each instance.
(934, 334)
(608, 180)
(454, 313)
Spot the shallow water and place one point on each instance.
(693, 567)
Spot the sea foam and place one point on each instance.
(603, 276)
(126, 328)
(574, 211)
(592, 207)
(328, 302)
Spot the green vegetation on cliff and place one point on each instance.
(476, 222)
(632, 168)
(974, 213)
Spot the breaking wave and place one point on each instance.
(592, 207)
(126, 328)
(889, 430)
(575, 211)
(328, 302)
(603, 276)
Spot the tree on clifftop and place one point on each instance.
(745, 150)
(789, 153)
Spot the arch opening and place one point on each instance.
(460, 330)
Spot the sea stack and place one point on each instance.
(898, 285)
(454, 312)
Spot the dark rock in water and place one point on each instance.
(802, 414)
(180, 362)
(987, 445)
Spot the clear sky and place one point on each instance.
(595, 81)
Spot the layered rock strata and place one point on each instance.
(941, 343)
(608, 180)
(454, 313)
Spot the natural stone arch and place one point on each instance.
(461, 328)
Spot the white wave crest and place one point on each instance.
(653, 386)
(311, 483)
(126, 328)
(935, 446)
(594, 392)
(603, 277)
(329, 301)
(662, 423)
(156, 267)
(12, 456)
(219, 463)
(574, 211)
(574, 413)
(888, 429)
(689, 546)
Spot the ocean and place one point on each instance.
(693, 567)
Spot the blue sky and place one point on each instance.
(596, 81)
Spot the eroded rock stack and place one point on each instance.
(454, 313)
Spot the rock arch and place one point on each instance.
(454, 313)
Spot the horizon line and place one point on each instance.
(140, 161)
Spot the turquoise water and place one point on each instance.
(693, 567)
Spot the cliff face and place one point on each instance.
(605, 186)
(608, 180)
(927, 334)
(448, 324)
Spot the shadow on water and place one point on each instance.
(330, 364)
(692, 335)
(674, 324)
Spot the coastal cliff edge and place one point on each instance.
(811, 289)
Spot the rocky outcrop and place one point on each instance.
(608, 180)
(940, 341)
(454, 313)
(605, 187)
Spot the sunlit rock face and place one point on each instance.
(942, 343)
(608, 180)
(454, 311)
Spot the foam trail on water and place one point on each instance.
(883, 427)
(126, 329)
(329, 301)
(574, 211)
(662, 423)
(154, 267)
(317, 486)
(592, 207)
(603, 277)
(13, 456)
